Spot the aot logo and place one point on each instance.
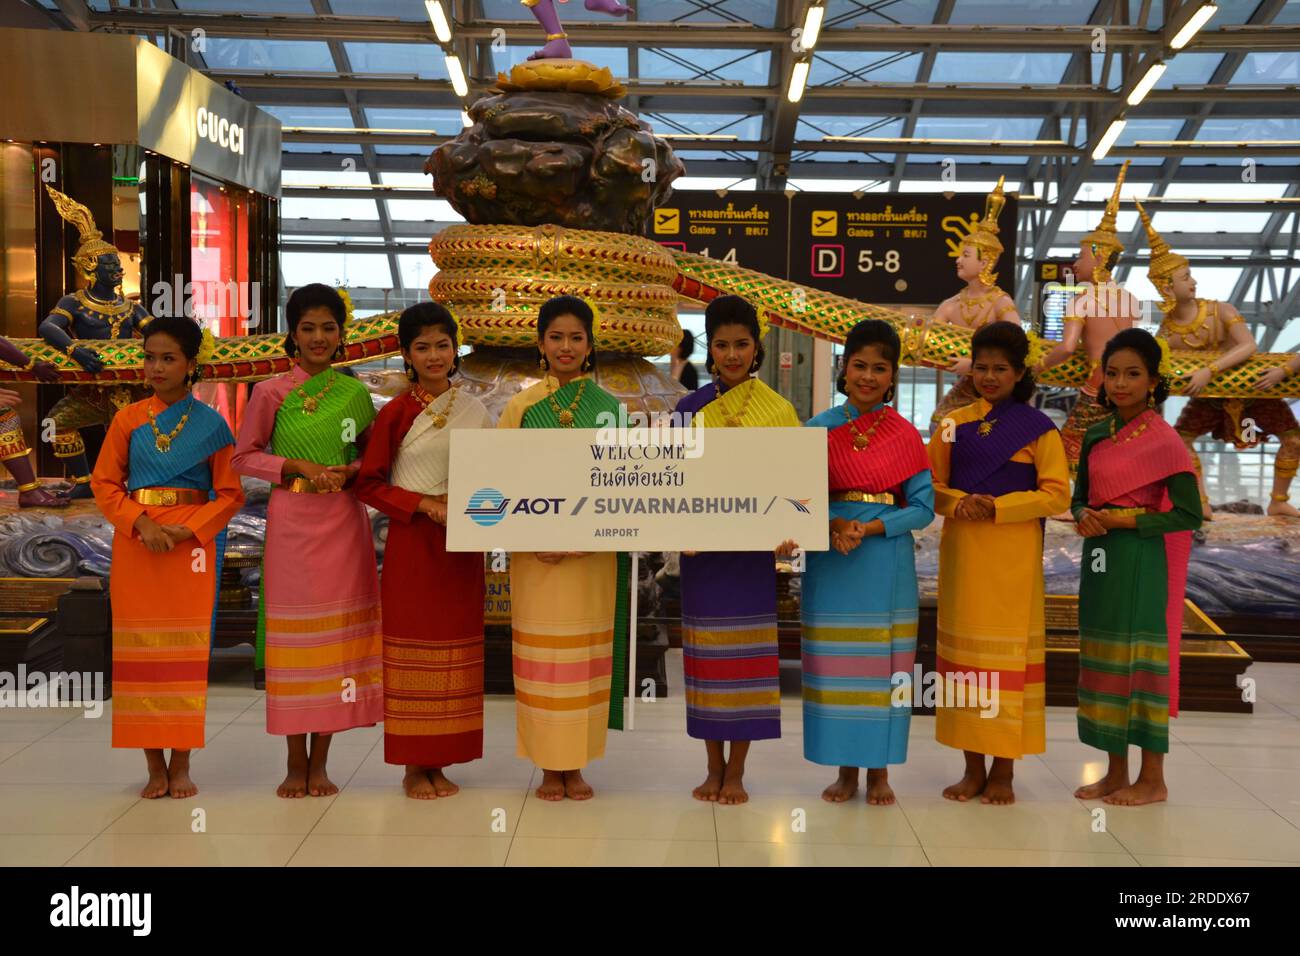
(487, 507)
(219, 130)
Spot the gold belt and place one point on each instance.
(169, 496)
(303, 486)
(1127, 512)
(884, 498)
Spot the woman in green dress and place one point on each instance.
(1136, 502)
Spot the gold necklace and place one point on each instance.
(427, 399)
(311, 402)
(115, 315)
(971, 306)
(565, 415)
(861, 439)
(737, 420)
(164, 442)
(1127, 438)
(1189, 331)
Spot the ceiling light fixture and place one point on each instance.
(438, 17)
(1193, 25)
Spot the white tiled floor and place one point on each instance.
(67, 797)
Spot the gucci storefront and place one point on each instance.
(180, 174)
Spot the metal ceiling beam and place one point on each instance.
(942, 14)
(77, 13)
(874, 37)
(1268, 237)
(343, 65)
(783, 116)
(1262, 17)
(1167, 100)
(432, 140)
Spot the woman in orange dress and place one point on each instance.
(164, 480)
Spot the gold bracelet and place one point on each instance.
(557, 36)
(1214, 369)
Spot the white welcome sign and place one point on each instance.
(672, 489)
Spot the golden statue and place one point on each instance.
(1204, 325)
(1096, 314)
(980, 303)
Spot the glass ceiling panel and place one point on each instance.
(741, 126)
(443, 122)
(963, 66)
(708, 154)
(1232, 12)
(986, 12)
(678, 63)
(348, 148)
(245, 6)
(1270, 68)
(758, 12)
(1191, 69)
(848, 13)
(334, 116)
(832, 156)
(834, 66)
(285, 56)
(424, 60)
(984, 128)
(817, 125)
(401, 9)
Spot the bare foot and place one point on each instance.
(417, 784)
(441, 784)
(1282, 509)
(179, 784)
(998, 790)
(1142, 792)
(708, 790)
(970, 785)
(552, 787)
(157, 785)
(844, 787)
(575, 788)
(879, 792)
(295, 783)
(319, 783)
(733, 790)
(1104, 787)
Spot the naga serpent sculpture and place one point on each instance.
(494, 277)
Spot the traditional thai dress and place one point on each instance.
(569, 620)
(1132, 582)
(433, 598)
(860, 609)
(729, 645)
(991, 621)
(163, 603)
(318, 626)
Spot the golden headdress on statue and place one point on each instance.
(1104, 239)
(984, 237)
(1164, 262)
(92, 240)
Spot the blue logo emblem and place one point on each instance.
(487, 507)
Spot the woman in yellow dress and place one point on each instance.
(999, 471)
(568, 622)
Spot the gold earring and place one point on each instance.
(541, 361)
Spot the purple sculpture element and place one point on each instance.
(557, 41)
